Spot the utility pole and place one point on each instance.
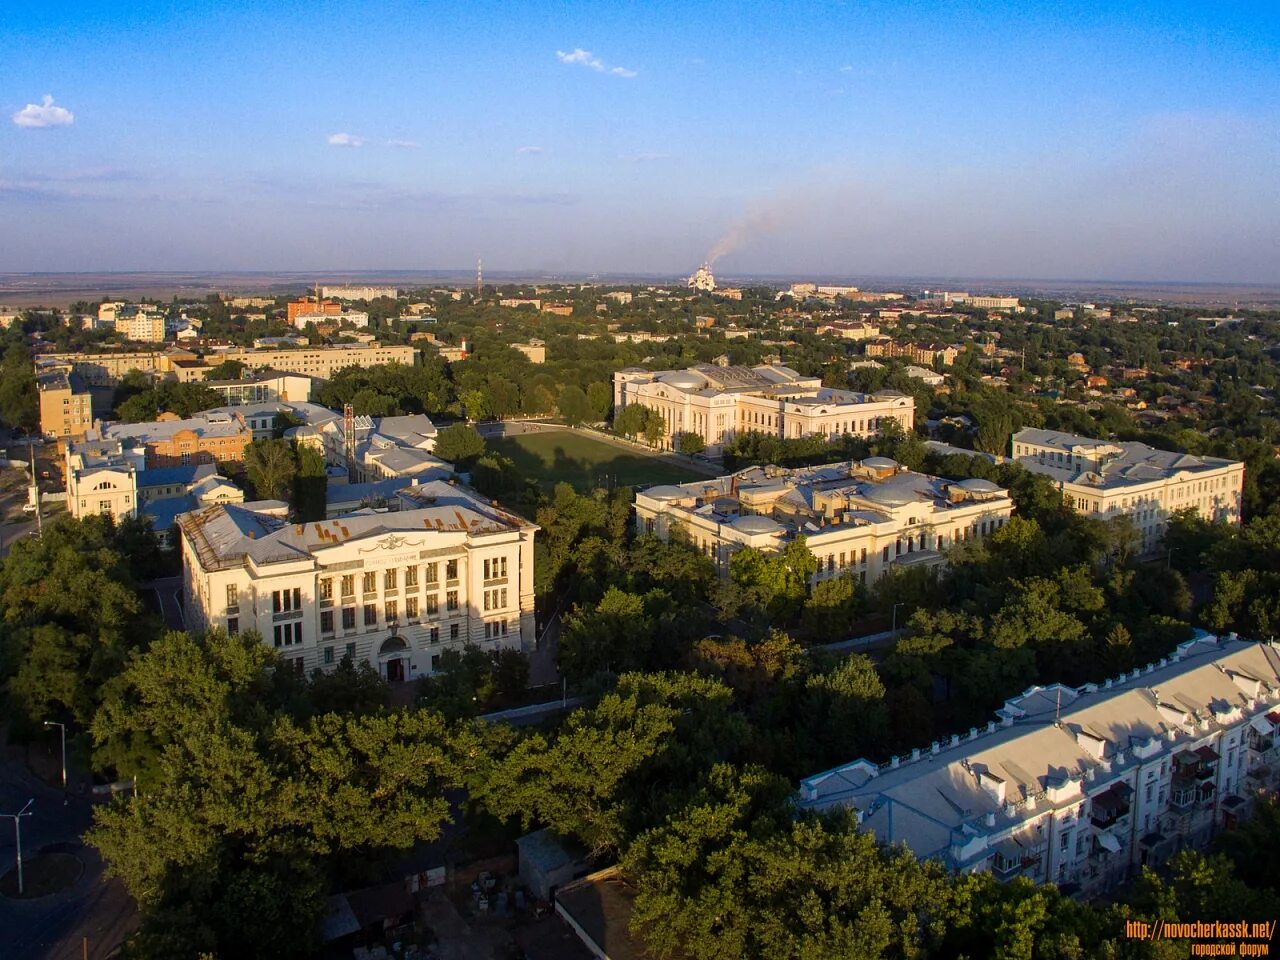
(17, 832)
(35, 486)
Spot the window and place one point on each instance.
(349, 585)
(351, 650)
(233, 625)
(435, 662)
(283, 601)
(487, 598)
(411, 608)
(328, 654)
(326, 621)
(370, 614)
(433, 606)
(326, 588)
(370, 582)
(435, 635)
(433, 573)
(451, 600)
(410, 576)
(502, 598)
(453, 631)
(233, 595)
(288, 634)
(451, 570)
(390, 611)
(389, 579)
(348, 618)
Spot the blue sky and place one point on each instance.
(945, 139)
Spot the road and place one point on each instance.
(167, 592)
(55, 927)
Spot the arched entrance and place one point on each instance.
(393, 658)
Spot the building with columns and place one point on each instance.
(862, 519)
(1105, 479)
(718, 403)
(393, 589)
(1083, 786)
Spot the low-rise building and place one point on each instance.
(393, 589)
(171, 441)
(718, 403)
(862, 518)
(849, 330)
(311, 307)
(929, 377)
(534, 350)
(263, 388)
(66, 407)
(1083, 786)
(1105, 479)
(322, 362)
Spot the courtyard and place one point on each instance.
(564, 456)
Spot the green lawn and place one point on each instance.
(584, 462)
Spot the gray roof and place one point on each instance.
(1107, 464)
(1039, 741)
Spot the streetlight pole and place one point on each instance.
(17, 832)
(894, 627)
(62, 729)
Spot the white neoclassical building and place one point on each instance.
(862, 518)
(395, 589)
(1083, 786)
(718, 403)
(1105, 479)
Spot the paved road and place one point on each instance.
(11, 533)
(167, 592)
(54, 927)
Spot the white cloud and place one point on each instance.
(345, 140)
(846, 69)
(44, 114)
(647, 157)
(588, 59)
(531, 150)
(404, 144)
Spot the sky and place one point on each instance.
(1118, 141)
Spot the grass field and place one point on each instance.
(584, 462)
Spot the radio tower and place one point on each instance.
(479, 275)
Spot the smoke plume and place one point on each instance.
(767, 216)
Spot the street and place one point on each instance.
(55, 927)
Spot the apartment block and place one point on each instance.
(1083, 786)
(862, 519)
(718, 403)
(393, 589)
(359, 293)
(1105, 479)
(925, 354)
(140, 324)
(66, 408)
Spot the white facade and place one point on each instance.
(718, 403)
(1103, 479)
(144, 326)
(392, 589)
(702, 279)
(355, 318)
(861, 519)
(359, 293)
(1083, 786)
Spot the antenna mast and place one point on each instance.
(479, 275)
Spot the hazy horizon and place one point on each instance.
(987, 141)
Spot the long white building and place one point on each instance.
(392, 589)
(1105, 479)
(718, 403)
(1082, 786)
(862, 518)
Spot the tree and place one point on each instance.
(459, 444)
(182, 399)
(776, 582)
(310, 484)
(270, 467)
(614, 634)
(227, 370)
(690, 443)
(834, 608)
(573, 405)
(619, 765)
(994, 432)
(19, 402)
(600, 399)
(631, 421)
(655, 428)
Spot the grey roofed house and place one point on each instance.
(549, 861)
(943, 800)
(1106, 463)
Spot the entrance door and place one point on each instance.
(395, 671)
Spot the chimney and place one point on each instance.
(991, 819)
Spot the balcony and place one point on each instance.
(1111, 806)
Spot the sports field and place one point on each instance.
(584, 462)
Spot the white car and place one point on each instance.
(28, 508)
